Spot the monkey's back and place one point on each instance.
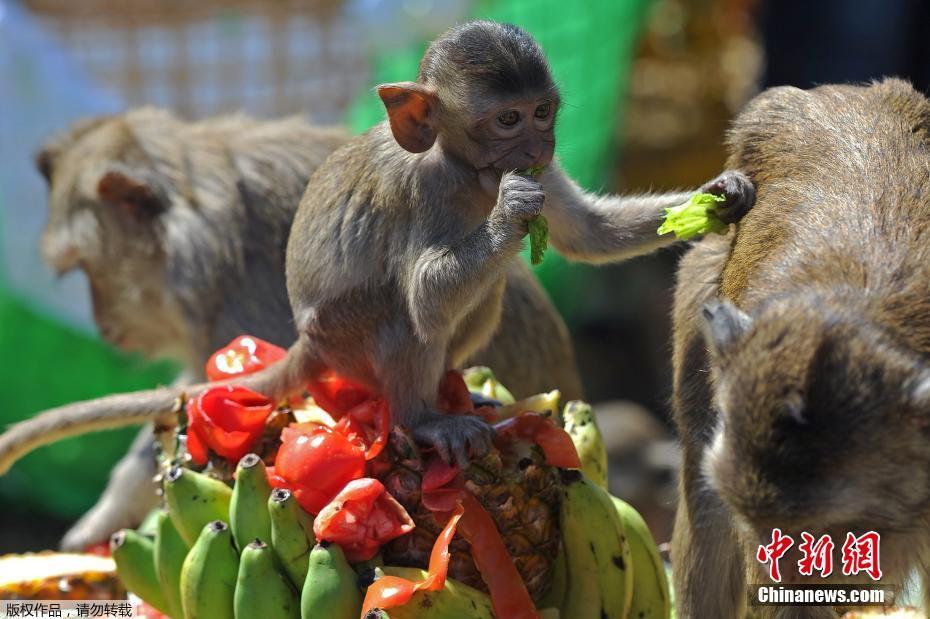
(843, 204)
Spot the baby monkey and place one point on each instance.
(397, 256)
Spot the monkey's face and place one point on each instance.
(510, 134)
(822, 422)
(106, 222)
(485, 93)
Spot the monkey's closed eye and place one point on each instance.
(509, 118)
(543, 110)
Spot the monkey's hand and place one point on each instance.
(739, 195)
(456, 438)
(519, 201)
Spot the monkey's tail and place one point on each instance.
(277, 382)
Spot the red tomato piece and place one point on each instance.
(315, 464)
(508, 591)
(227, 420)
(555, 442)
(438, 474)
(391, 591)
(382, 425)
(361, 518)
(454, 396)
(244, 355)
(337, 395)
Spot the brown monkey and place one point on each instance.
(809, 412)
(181, 227)
(396, 260)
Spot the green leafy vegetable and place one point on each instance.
(695, 217)
(539, 227)
(539, 239)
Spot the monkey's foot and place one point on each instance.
(456, 438)
(739, 195)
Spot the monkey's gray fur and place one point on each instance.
(802, 393)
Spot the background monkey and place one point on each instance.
(181, 229)
(396, 260)
(814, 416)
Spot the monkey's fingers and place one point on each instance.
(456, 438)
(738, 192)
(471, 441)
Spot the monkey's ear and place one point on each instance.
(411, 111)
(44, 160)
(724, 324)
(126, 191)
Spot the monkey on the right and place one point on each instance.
(802, 350)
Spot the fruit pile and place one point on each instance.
(329, 513)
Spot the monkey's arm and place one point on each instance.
(446, 278)
(599, 229)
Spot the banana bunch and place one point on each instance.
(249, 552)
(609, 565)
(235, 553)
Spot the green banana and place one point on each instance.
(194, 500)
(650, 584)
(599, 566)
(581, 425)
(493, 389)
(480, 380)
(331, 589)
(262, 592)
(292, 536)
(170, 551)
(476, 376)
(453, 601)
(248, 507)
(208, 576)
(542, 403)
(149, 523)
(134, 556)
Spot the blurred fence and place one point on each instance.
(202, 58)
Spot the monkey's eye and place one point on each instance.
(543, 110)
(509, 118)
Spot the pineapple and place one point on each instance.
(517, 488)
(57, 576)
